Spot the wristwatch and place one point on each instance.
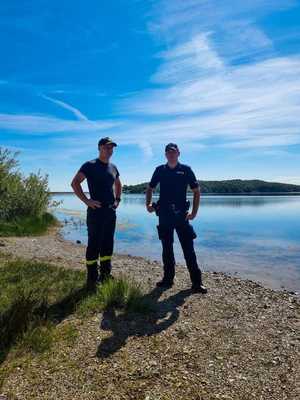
(118, 199)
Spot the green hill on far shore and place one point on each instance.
(233, 186)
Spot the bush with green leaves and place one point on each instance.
(20, 196)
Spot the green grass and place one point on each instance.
(35, 297)
(27, 226)
(118, 293)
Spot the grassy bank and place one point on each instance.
(35, 298)
(25, 226)
(24, 200)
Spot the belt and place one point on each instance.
(109, 206)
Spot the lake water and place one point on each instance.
(253, 237)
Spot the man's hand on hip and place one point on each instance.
(150, 208)
(116, 204)
(93, 204)
(190, 216)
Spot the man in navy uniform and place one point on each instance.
(172, 210)
(102, 176)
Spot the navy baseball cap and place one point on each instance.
(171, 146)
(106, 140)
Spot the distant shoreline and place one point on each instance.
(215, 194)
(231, 187)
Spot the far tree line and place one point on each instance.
(233, 186)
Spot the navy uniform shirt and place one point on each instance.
(173, 184)
(100, 178)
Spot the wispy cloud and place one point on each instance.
(235, 22)
(66, 106)
(35, 124)
(201, 93)
(202, 96)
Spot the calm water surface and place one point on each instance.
(254, 237)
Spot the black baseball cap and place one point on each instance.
(171, 146)
(106, 140)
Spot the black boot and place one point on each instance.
(199, 288)
(92, 277)
(105, 272)
(165, 283)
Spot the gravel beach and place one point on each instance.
(240, 341)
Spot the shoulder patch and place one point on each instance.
(93, 161)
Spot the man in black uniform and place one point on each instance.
(101, 176)
(172, 210)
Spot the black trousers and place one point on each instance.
(101, 224)
(168, 222)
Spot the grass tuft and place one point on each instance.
(38, 338)
(120, 293)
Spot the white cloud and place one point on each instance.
(146, 148)
(194, 58)
(36, 124)
(62, 104)
(202, 97)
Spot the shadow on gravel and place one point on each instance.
(125, 325)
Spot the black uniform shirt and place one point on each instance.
(173, 183)
(100, 178)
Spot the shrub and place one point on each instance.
(21, 197)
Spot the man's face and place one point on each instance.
(172, 156)
(107, 150)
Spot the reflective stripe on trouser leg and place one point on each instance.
(91, 262)
(105, 258)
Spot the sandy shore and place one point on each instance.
(240, 341)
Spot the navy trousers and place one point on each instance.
(168, 223)
(101, 224)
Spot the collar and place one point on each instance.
(175, 168)
(102, 163)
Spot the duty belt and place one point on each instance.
(171, 207)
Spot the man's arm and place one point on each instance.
(196, 203)
(149, 192)
(152, 185)
(76, 186)
(118, 191)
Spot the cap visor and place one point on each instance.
(171, 148)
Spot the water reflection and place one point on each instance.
(254, 236)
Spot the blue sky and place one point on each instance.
(220, 78)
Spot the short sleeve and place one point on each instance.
(117, 173)
(85, 169)
(155, 179)
(192, 180)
